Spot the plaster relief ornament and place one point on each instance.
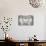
(35, 3)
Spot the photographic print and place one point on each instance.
(25, 20)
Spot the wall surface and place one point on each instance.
(14, 8)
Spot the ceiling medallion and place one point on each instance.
(35, 3)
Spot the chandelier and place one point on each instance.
(36, 3)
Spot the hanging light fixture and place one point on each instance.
(36, 3)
